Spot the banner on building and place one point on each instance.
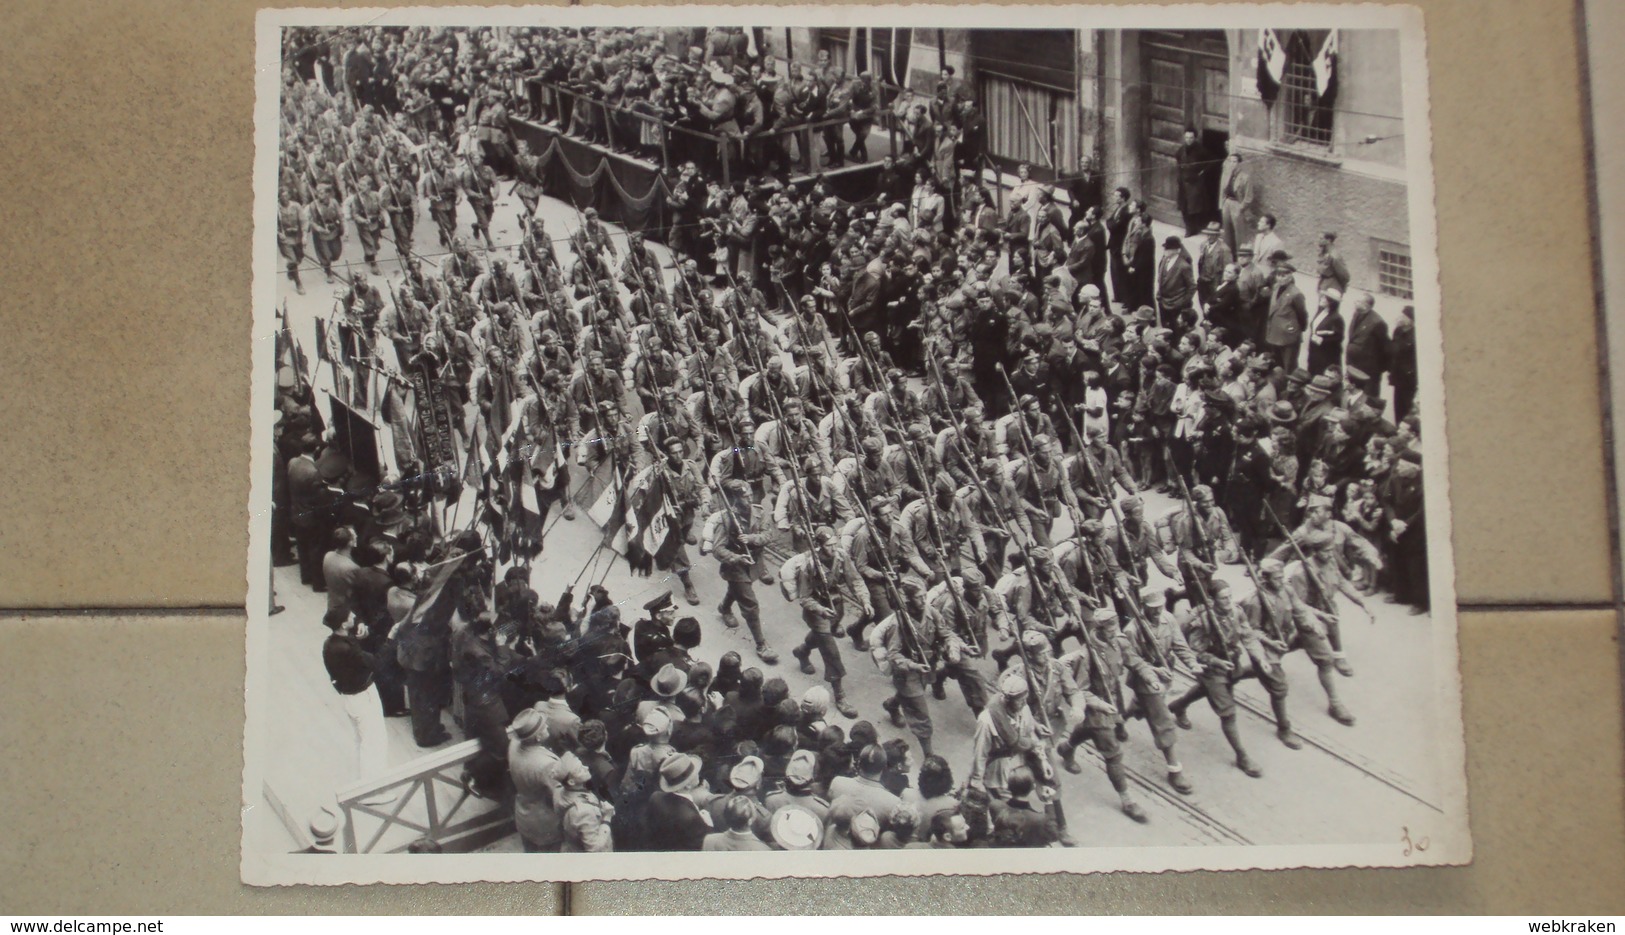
(1271, 65)
(1325, 66)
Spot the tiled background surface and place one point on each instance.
(126, 354)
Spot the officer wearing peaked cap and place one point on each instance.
(652, 634)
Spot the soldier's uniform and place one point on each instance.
(822, 576)
(440, 188)
(912, 647)
(366, 211)
(1007, 736)
(1097, 668)
(479, 187)
(968, 620)
(1200, 543)
(290, 239)
(734, 534)
(327, 233)
(1228, 649)
(1154, 643)
(1276, 609)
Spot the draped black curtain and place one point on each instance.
(625, 191)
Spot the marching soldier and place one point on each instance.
(736, 533)
(823, 576)
(1137, 543)
(969, 614)
(479, 187)
(912, 647)
(327, 230)
(290, 236)
(1202, 539)
(1228, 649)
(1097, 668)
(874, 554)
(1155, 642)
(1278, 609)
(366, 212)
(440, 190)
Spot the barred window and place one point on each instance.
(1394, 269)
(1303, 118)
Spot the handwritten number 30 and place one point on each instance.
(1418, 846)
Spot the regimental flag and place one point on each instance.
(1271, 65)
(651, 530)
(435, 603)
(1325, 66)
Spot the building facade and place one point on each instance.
(1124, 98)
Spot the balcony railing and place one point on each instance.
(430, 802)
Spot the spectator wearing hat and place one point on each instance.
(536, 772)
(1176, 286)
(652, 635)
(584, 817)
(1326, 332)
(1211, 260)
(798, 791)
(1288, 316)
(744, 783)
(677, 820)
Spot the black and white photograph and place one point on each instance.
(1006, 438)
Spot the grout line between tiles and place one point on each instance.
(221, 610)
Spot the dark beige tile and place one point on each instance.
(127, 349)
(123, 745)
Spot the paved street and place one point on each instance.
(1350, 784)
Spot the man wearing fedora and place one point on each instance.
(536, 773)
(1288, 316)
(1176, 286)
(676, 817)
(1211, 261)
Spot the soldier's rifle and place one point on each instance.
(1326, 599)
(935, 527)
(1102, 485)
(1203, 552)
(791, 456)
(921, 653)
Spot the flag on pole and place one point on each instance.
(1271, 65)
(650, 531)
(435, 603)
(1325, 66)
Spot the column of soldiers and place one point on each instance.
(979, 519)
